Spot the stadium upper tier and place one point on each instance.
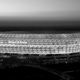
(40, 39)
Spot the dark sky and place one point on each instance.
(39, 15)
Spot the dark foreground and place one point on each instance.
(59, 67)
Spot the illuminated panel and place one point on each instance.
(39, 43)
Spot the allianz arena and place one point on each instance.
(39, 43)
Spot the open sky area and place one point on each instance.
(40, 9)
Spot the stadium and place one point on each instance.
(39, 43)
